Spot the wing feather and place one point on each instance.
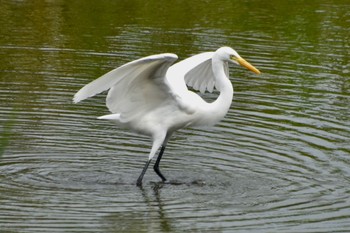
(132, 69)
(135, 87)
(195, 71)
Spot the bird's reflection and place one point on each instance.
(154, 198)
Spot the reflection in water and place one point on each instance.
(279, 162)
(138, 221)
(165, 222)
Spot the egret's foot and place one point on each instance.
(139, 182)
(156, 169)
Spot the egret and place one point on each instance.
(151, 96)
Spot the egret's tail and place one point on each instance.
(115, 117)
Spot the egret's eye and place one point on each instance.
(232, 57)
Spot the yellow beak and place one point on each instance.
(247, 65)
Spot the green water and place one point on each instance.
(278, 162)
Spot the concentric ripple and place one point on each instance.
(278, 162)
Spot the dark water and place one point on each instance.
(279, 162)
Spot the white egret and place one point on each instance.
(150, 95)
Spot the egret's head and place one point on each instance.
(229, 54)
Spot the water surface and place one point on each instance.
(279, 162)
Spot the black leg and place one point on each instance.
(139, 180)
(156, 165)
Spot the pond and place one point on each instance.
(278, 162)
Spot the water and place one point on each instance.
(279, 162)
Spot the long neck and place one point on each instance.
(223, 103)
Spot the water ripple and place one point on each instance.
(279, 161)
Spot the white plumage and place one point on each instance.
(150, 95)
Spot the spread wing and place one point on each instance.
(135, 88)
(195, 71)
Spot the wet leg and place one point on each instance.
(156, 165)
(139, 180)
